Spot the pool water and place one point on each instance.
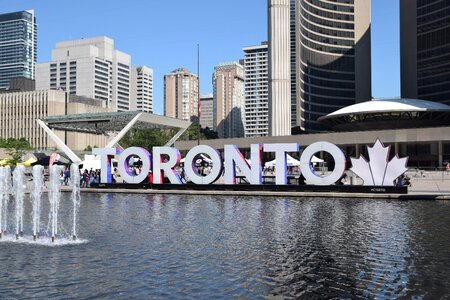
(207, 247)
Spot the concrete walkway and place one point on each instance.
(434, 182)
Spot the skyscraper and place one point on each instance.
(207, 111)
(228, 90)
(89, 67)
(141, 89)
(293, 64)
(18, 43)
(256, 90)
(425, 49)
(181, 95)
(333, 57)
(279, 67)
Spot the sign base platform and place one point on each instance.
(265, 187)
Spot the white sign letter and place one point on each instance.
(234, 158)
(280, 159)
(124, 169)
(191, 170)
(105, 160)
(339, 163)
(167, 166)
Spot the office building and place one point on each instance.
(425, 50)
(19, 111)
(293, 42)
(279, 67)
(89, 67)
(228, 91)
(18, 43)
(333, 58)
(141, 89)
(256, 90)
(181, 95)
(207, 111)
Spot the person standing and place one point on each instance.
(66, 176)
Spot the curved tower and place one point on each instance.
(425, 49)
(333, 66)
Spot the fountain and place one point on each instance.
(75, 178)
(16, 185)
(2, 182)
(5, 192)
(19, 194)
(54, 196)
(38, 185)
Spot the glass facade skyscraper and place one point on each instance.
(425, 49)
(332, 55)
(18, 43)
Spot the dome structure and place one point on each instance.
(388, 114)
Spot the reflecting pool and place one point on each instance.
(175, 246)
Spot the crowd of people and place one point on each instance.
(86, 177)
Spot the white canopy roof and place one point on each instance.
(292, 162)
(391, 105)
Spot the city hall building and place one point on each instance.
(415, 128)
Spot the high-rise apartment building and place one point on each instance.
(256, 90)
(181, 95)
(18, 44)
(279, 67)
(207, 111)
(141, 89)
(89, 67)
(333, 57)
(228, 85)
(425, 49)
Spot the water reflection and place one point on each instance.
(175, 246)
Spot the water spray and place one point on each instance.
(36, 194)
(76, 199)
(19, 194)
(54, 196)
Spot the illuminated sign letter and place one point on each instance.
(167, 166)
(339, 163)
(105, 160)
(123, 165)
(191, 170)
(280, 158)
(234, 158)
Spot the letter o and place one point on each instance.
(339, 163)
(124, 170)
(216, 170)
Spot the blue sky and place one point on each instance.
(164, 34)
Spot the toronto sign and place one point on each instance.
(164, 161)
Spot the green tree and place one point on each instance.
(147, 138)
(209, 133)
(15, 148)
(89, 148)
(19, 144)
(191, 134)
(151, 137)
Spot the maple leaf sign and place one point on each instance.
(379, 171)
